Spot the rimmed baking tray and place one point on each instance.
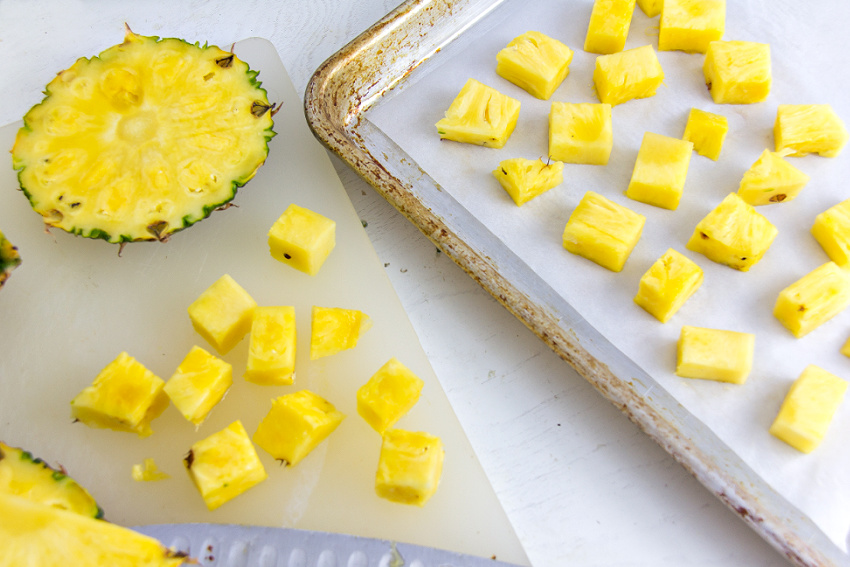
(413, 42)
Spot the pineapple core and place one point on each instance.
(524, 179)
(658, 177)
(668, 284)
(302, 239)
(809, 129)
(621, 77)
(480, 115)
(832, 231)
(388, 395)
(535, 62)
(706, 131)
(814, 299)
(222, 314)
(609, 26)
(771, 179)
(200, 382)
(808, 409)
(690, 25)
(409, 466)
(580, 132)
(714, 354)
(334, 330)
(737, 72)
(271, 346)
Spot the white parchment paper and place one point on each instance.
(809, 50)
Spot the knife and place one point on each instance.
(225, 545)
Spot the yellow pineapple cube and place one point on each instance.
(771, 179)
(271, 348)
(200, 382)
(668, 284)
(621, 77)
(125, 396)
(535, 62)
(809, 408)
(480, 115)
(409, 467)
(603, 231)
(737, 72)
(814, 299)
(580, 132)
(295, 425)
(845, 348)
(706, 131)
(334, 329)
(222, 314)
(714, 354)
(524, 179)
(809, 129)
(224, 465)
(147, 471)
(690, 25)
(609, 26)
(650, 7)
(389, 394)
(832, 231)
(734, 234)
(658, 177)
(302, 238)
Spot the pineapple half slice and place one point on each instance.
(144, 140)
(9, 258)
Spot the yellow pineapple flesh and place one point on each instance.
(771, 179)
(714, 354)
(832, 231)
(199, 383)
(706, 131)
(10, 258)
(535, 62)
(409, 467)
(668, 284)
(609, 25)
(813, 299)
(650, 8)
(690, 25)
(222, 314)
(302, 238)
(480, 115)
(333, 330)
(660, 170)
(524, 179)
(388, 395)
(580, 132)
(803, 129)
(631, 74)
(147, 471)
(737, 72)
(271, 347)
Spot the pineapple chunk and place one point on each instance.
(295, 425)
(832, 231)
(334, 329)
(845, 348)
(809, 128)
(609, 26)
(271, 350)
(125, 396)
(660, 170)
(200, 382)
(409, 467)
(733, 234)
(621, 77)
(706, 131)
(813, 299)
(737, 72)
(524, 179)
(535, 62)
(302, 239)
(771, 179)
(389, 394)
(147, 471)
(650, 7)
(480, 115)
(714, 354)
(690, 25)
(224, 465)
(668, 283)
(603, 231)
(808, 408)
(222, 314)
(580, 132)
(9, 259)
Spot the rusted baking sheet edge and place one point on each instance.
(336, 100)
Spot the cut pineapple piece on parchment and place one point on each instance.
(661, 167)
(706, 131)
(771, 179)
(814, 299)
(668, 284)
(715, 354)
(627, 75)
(609, 25)
(535, 62)
(480, 115)
(690, 25)
(580, 132)
(524, 179)
(737, 72)
(832, 231)
(809, 129)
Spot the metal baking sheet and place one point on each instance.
(374, 103)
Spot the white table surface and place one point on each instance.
(546, 439)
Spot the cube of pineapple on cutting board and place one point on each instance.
(535, 62)
(524, 179)
(714, 354)
(609, 25)
(627, 75)
(480, 115)
(832, 231)
(334, 329)
(690, 25)
(603, 231)
(706, 131)
(668, 284)
(222, 314)
(199, 383)
(124, 396)
(295, 425)
(809, 408)
(409, 467)
(388, 395)
(809, 129)
(224, 465)
(580, 132)
(814, 299)
(771, 179)
(737, 72)
(660, 170)
(271, 347)
(302, 238)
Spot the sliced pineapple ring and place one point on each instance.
(143, 140)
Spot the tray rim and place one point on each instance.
(336, 100)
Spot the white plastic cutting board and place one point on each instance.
(74, 304)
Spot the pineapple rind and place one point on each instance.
(603, 231)
(690, 25)
(737, 72)
(706, 131)
(271, 347)
(771, 179)
(714, 354)
(480, 115)
(832, 231)
(409, 467)
(524, 179)
(813, 299)
(10, 258)
(668, 284)
(609, 25)
(801, 129)
(580, 132)
(535, 62)
(388, 395)
(660, 170)
(333, 330)
(631, 74)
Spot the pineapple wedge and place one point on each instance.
(814, 299)
(199, 383)
(650, 8)
(224, 465)
(809, 128)
(524, 179)
(658, 177)
(580, 132)
(295, 425)
(706, 131)
(832, 231)
(808, 409)
(125, 396)
(734, 234)
(389, 394)
(535, 62)
(714, 354)
(222, 314)
(737, 72)
(603, 231)
(271, 348)
(302, 239)
(631, 74)
(409, 467)
(480, 115)
(771, 179)
(668, 284)
(609, 26)
(9, 259)
(690, 25)
(334, 330)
